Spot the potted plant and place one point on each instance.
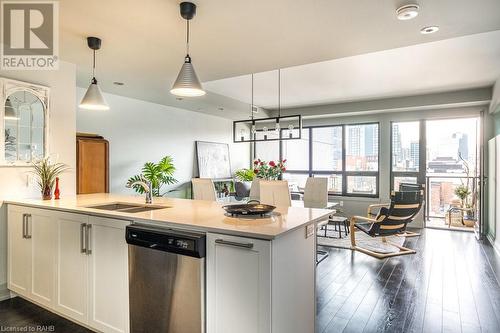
(244, 175)
(244, 178)
(462, 192)
(468, 195)
(46, 173)
(269, 170)
(159, 174)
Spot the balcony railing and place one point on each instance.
(440, 192)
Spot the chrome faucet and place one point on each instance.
(146, 185)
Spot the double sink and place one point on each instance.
(127, 207)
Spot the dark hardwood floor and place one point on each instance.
(19, 315)
(450, 285)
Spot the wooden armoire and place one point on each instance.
(92, 160)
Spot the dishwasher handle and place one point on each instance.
(236, 244)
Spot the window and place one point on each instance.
(362, 185)
(267, 151)
(297, 152)
(345, 154)
(405, 156)
(362, 147)
(327, 149)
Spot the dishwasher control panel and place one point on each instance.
(168, 240)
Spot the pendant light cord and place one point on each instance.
(251, 106)
(279, 93)
(187, 37)
(93, 66)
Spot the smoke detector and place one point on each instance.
(407, 12)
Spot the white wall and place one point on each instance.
(140, 131)
(495, 100)
(62, 127)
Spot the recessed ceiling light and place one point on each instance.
(118, 83)
(429, 30)
(407, 12)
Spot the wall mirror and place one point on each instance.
(24, 111)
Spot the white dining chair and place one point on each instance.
(255, 190)
(316, 192)
(275, 193)
(316, 196)
(203, 189)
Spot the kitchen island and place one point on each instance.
(71, 258)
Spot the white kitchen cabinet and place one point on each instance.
(31, 253)
(257, 286)
(19, 251)
(238, 284)
(108, 275)
(72, 266)
(42, 228)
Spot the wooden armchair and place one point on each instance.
(392, 219)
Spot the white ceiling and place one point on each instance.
(452, 64)
(143, 41)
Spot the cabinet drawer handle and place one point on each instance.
(24, 225)
(27, 235)
(243, 245)
(83, 238)
(88, 235)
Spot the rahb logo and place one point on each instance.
(30, 35)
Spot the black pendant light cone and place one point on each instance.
(93, 99)
(10, 112)
(187, 83)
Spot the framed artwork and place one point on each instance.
(213, 160)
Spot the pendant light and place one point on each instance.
(285, 127)
(93, 99)
(10, 112)
(187, 83)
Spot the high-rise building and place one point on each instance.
(396, 144)
(371, 140)
(414, 154)
(354, 142)
(463, 146)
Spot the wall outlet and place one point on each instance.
(341, 203)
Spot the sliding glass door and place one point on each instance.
(453, 169)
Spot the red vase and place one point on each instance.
(57, 193)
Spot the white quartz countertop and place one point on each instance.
(188, 214)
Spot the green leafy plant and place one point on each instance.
(159, 174)
(244, 175)
(46, 173)
(462, 192)
(269, 171)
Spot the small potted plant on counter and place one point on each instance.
(243, 182)
(46, 174)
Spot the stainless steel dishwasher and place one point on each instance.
(166, 280)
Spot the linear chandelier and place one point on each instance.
(267, 129)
